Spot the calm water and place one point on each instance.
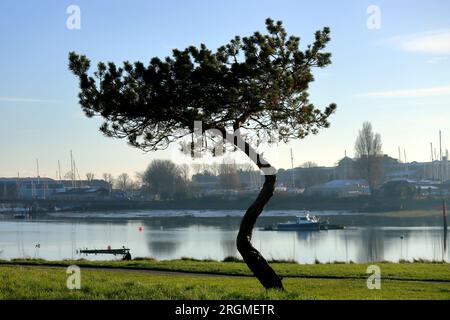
(209, 234)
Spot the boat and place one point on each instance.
(14, 210)
(302, 223)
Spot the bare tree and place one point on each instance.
(213, 168)
(109, 180)
(228, 175)
(197, 168)
(309, 164)
(68, 175)
(185, 172)
(164, 178)
(369, 155)
(90, 176)
(123, 182)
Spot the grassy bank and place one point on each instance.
(424, 271)
(32, 280)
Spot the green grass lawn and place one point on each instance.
(399, 281)
(404, 271)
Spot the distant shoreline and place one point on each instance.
(279, 202)
(410, 218)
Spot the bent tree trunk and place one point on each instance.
(252, 257)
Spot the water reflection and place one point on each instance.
(229, 248)
(160, 248)
(372, 245)
(213, 238)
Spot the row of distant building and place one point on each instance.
(47, 188)
(430, 178)
(342, 180)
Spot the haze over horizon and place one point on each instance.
(396, 77)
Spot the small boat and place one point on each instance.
(14, 210)
(303, 223)
(4, 209)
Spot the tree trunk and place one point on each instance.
(252, 257)
(254, 260)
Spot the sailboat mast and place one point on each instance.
(59, 171)
(71, 169)
(292, 167)
(406, 165)
(37, 171)
(441, 176)
(432, 162)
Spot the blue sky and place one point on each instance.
(397, 77)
